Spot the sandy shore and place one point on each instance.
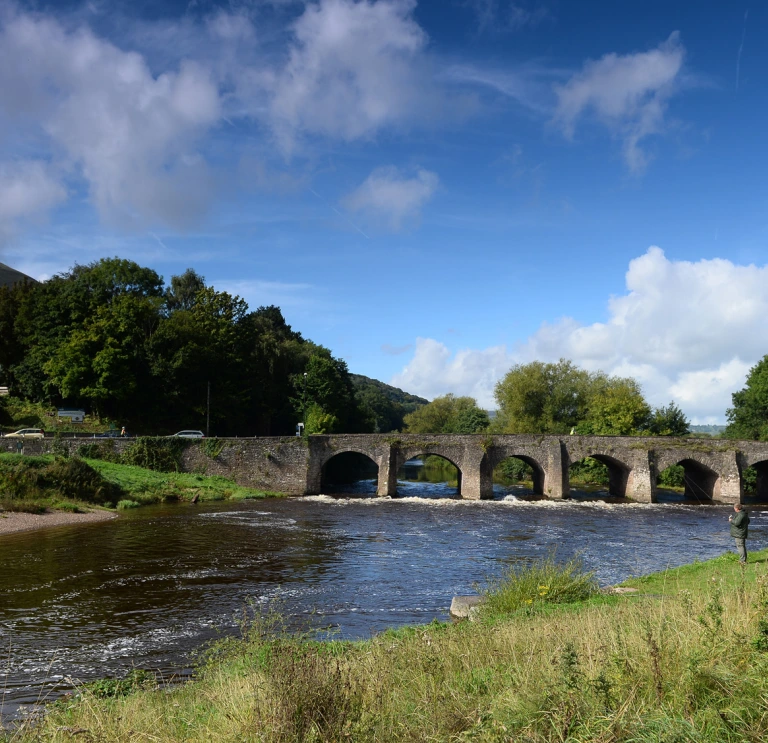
(15, 522)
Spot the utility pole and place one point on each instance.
(208, 412)
(304, 405)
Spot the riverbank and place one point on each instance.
(50, 486)
(684, 658)
(13, 522)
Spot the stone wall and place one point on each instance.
(295, 465)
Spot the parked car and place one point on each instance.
(114, 434)
(26, 433)
(190, 435)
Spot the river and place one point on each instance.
(147, 589)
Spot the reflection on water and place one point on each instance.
(148, 588)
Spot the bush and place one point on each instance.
(123, 505)
(672, 477)
(546, 582)
(512, 470)
(31, 480)
(590, 471)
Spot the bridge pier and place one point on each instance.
(387, 483)
(728, 486)
(556, 473)
(641, 482)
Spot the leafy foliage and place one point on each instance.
(560, 398)
(526, 585)
(748, 418)
(110, 337)
(448, 414)
(30, 480)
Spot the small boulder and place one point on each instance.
(465, 607)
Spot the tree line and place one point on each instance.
(112, 338)
(554, 398)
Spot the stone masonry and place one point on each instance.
(296, 466)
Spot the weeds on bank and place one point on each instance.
(525, 585)
(682, 667)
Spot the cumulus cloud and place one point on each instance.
(129, 133)
(688, 331)
(433, 371)
(351, 70)
(390, 195)
(627, 93)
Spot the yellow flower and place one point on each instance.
(543, 588)
(529, 601)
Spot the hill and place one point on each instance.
(387, 405)
(9, 276)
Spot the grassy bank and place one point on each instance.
(149, 486)
(684, 660)
(36, 484)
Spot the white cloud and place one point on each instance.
(27, 188)
(351, 70)
(131, 134)
(688, 331)
(628, 93)
(389, 194)
(433, 371)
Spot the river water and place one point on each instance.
(147, 589)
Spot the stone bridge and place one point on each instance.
(713, 467)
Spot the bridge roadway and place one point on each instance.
(713, 467)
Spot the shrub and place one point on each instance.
(524, 586)
(123, 505)
(672, 477)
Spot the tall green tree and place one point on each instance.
(542, 398)
(448, 414)
(669, 420)
(615, 407)
(748, 418)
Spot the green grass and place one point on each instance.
(687, 664)
(34, 484)
(149, 486)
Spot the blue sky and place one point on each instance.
(434, 190)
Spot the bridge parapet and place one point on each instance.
(714, 468)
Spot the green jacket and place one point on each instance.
(739, 525)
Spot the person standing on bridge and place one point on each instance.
(739, 529)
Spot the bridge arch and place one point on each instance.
(755, 481)
(406, 457)
(702, 483)
(341, 469)
(619, 471)
(497, 457)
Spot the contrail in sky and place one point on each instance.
(741, 48)
(346, 219)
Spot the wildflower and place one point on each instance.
(543, 588)
(529, 601)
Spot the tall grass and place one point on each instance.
(681, 665)
(527, 584)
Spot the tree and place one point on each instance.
(616, 407)
(748, 418)
(669, 421)
(542, 398)
(560, 398)
(182, 293)
(448, 414)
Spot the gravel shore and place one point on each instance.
(11, 522)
